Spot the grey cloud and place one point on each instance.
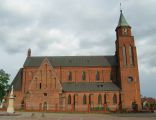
(83, 27)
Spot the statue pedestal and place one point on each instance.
(10, 108)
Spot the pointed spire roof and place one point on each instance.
(122, 20)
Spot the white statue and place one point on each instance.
(10, 108)
(1, 104)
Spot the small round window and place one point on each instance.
(130, 79)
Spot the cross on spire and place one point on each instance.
(120, 7)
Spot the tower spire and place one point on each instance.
(123, 28)
(122, 20)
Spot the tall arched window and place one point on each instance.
(84, 99)
(70, 76)
(83, 75)
(40, 85)
(114, 99)
(90, 99)
(124, 55)
(131, 55)
(69, 99)
(99, 100)
(124, 31)
(111, 75)
(130, 79)
(97, 75)
(105, 99)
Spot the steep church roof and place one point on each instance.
(17, 82)
(70, 61)
(122, 20)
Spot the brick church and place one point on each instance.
(82, 83)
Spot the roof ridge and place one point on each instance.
(72, 60)
(75, 56)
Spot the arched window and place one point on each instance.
(131, 55)
(124, 31)
(75, 99)
(84, 100)
(70, 76)
(114, 99)
(45, 106)
(111, 75)
(105, 99)
(134, 105)
(83, 75)
(130, 79)
(99, 99)
(22, 104)
(124, 55)
(97, 75)
(90, 99)
(40, 85)
(69, 99)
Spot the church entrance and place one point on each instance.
(22, 105)
(134, 106)
(45, 106)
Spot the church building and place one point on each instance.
(82, 83)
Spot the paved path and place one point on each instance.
(78, 116)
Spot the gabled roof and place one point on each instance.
(17, 82)
(89, 86)
(69, 61)
(122, 20)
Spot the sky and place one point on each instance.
(76, 27)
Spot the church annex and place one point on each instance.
(82, 83)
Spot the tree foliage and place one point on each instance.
(4, 79)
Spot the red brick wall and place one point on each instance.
(50, 78)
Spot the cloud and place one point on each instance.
(76, 27)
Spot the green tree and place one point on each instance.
(4, 79)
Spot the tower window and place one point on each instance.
(124, 31)
(130, 79)
(83, 75)
(70, 76)
(131, 55)
(124, 55)
(97, 75)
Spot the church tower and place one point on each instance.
(128, 66)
